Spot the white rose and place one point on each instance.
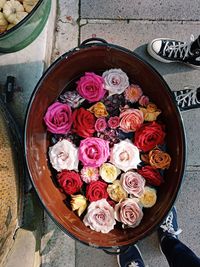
(115, 81)
(100, 216)
(64, 156)
(125, 156)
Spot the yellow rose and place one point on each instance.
(78, 203)
(116, 192)
(151, 112)
(149, 197)
(99, 110)
(109, 172)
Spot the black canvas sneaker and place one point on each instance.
(169, 227)
(131, 258)
(188, 98)
(168, 50)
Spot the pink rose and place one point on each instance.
(133, 183)
(58, 118)
(144, 100)
(131, 120)
(129, 212)
(100, 125)
(91, 87)
(100, 216)
(93, 151)
(113, 122)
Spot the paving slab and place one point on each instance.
(134, 36)
(187, 206)
(67, 27)
(137, 9)
(57, 249)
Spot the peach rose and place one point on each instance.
(133, 183)
(129, 212)
(131, 120)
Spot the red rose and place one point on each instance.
(70, 181)
(151, 175)
(149, 135)
(96, 191)
(83, 122)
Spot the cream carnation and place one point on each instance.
(115, 81)
(64, 156)
(125, 156)
(100, 216)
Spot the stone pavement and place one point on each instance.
(133, 24)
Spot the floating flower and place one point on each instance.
(100, 216)
(151, 175)
(149, 135)
(109, 172)
(100, 124)
(93, 151)
(116, 192)
(72, 98)
(113, 122)
(83, 122)
(151, 112)
(63, 155)
(96, 190)
(144, 100)
(133, 183)
(130, 120)
(91, 87)
(133, 93)
(89, 174)
(125, 156)
(78, 203)
(129, 212)
(149, 197)
(99, 110)
(115, 81)
(70, 181)
(58, 118)
(159, 159)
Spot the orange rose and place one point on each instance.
(159, 159)
(99, 110)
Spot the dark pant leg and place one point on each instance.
(178, 254)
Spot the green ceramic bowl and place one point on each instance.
(27, 30)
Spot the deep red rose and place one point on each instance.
(149, 135)
(70, 181)
(96, 191)
(151, 175)
(83, 122)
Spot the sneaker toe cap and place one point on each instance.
(156, 46)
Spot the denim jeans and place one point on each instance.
(178, 254)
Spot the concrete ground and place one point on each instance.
(131, 24)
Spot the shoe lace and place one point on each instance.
(189, 97)
(167, 226)
(134, 264)
(183, 49)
